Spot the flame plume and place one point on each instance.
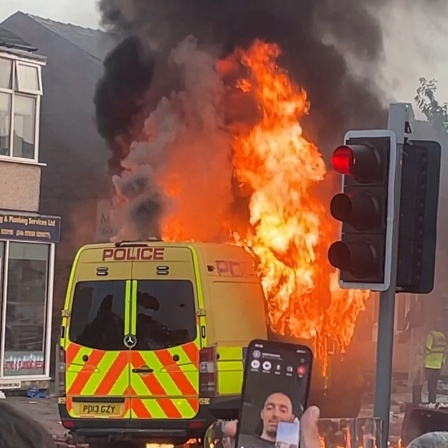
(289, 232)
(177, 180)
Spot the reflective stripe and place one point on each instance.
(171, 392)
(134, 307)
(201, 320)
(230, 370)
(68, 300)
(98, 373)
(159, 409)
(198, 276)
(435, 350)
(434, 361)
(438, 342)
(127, 308)
(104, 374)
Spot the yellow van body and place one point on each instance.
(137, 317)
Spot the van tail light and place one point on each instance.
(60, 387)
(68, 424)
(208, 372)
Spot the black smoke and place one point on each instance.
(127, 74)
(339, 100)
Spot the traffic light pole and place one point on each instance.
(399, 116)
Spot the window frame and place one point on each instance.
(13, 119)
(11, 98)
(6, 89)
(20, 64)
(37, 95)
(48, 310)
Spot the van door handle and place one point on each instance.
(144, 369)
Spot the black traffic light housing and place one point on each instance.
(420, 183)
(365, 207)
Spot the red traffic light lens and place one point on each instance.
(342, 160)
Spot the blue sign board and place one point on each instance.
(21, 226)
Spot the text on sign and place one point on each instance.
(134, 254)
(227, 268)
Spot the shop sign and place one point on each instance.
(9, 385)
(23, 363)
(29, 227)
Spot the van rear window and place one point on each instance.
(166, 314)
(97, 317)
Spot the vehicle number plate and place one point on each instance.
(98, 409)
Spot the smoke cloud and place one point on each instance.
(299, 27)
(184, 149)
(183, 144)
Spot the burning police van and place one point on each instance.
(152, 333)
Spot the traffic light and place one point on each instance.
(365, 207)
(420, 179)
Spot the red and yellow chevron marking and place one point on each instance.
(171, 392)
(104, 374)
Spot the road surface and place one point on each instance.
(45, 411)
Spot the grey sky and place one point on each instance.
(79, 12)
(415, 47)
(414, 44)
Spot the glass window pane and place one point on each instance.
(24, 126)
(2, 269)
(26, 309)
(27, 78)
(97, 317)
(166, 315)
(5, 73)
(5, 123)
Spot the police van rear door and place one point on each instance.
(164, 373)
(97, 361)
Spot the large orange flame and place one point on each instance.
(285, 178)
(290, 229)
